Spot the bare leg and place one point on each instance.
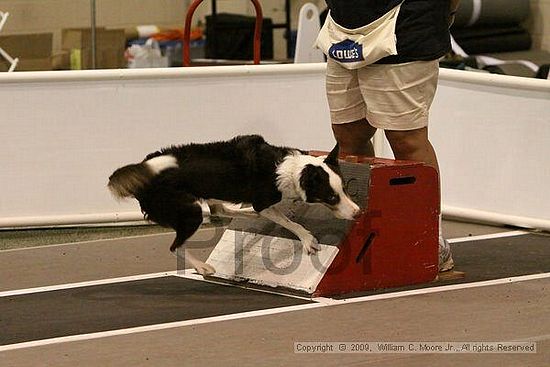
(308, 241)
(413, 145)
(355, 137)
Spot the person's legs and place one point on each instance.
(398, 100)
(347, 111)
(412, 145)
(355, 137)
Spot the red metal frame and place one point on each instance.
(187, 31)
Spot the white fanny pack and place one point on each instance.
(355, 48)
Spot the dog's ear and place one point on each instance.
(332, 158)
(311, 179)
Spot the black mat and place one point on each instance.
(477, 41)
(123, 305)
(490, 259)
(503, 257)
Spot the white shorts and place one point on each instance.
(389, 96)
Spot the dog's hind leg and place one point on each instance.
(180, 211)
(225, 209)
(201, 267)
(188, 219)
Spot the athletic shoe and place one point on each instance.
(445, 256)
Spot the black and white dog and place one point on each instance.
(171, 184)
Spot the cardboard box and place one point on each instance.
(33, 50)
(110, 47)
(61, 60)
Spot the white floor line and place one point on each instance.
(49, 288)
(536, 338)
(170, 233)
(443, 288)
(88, 242)
(488, 236)
(159, 234)
(320, 302)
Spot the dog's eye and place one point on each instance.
(333, 199)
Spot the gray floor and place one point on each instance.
(129, 303)
(12, 239)
(506, 312)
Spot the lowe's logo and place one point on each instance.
(346, 51)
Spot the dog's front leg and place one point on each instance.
(308, 241)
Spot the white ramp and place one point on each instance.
(269, 261)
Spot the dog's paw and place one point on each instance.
(216, 209)
(311, 245)
(204, 269)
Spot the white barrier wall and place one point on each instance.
(491, 134)
(63, 133)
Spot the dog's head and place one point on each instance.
(321, 182)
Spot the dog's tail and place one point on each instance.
(129, 180)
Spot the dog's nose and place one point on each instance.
(353, 213)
